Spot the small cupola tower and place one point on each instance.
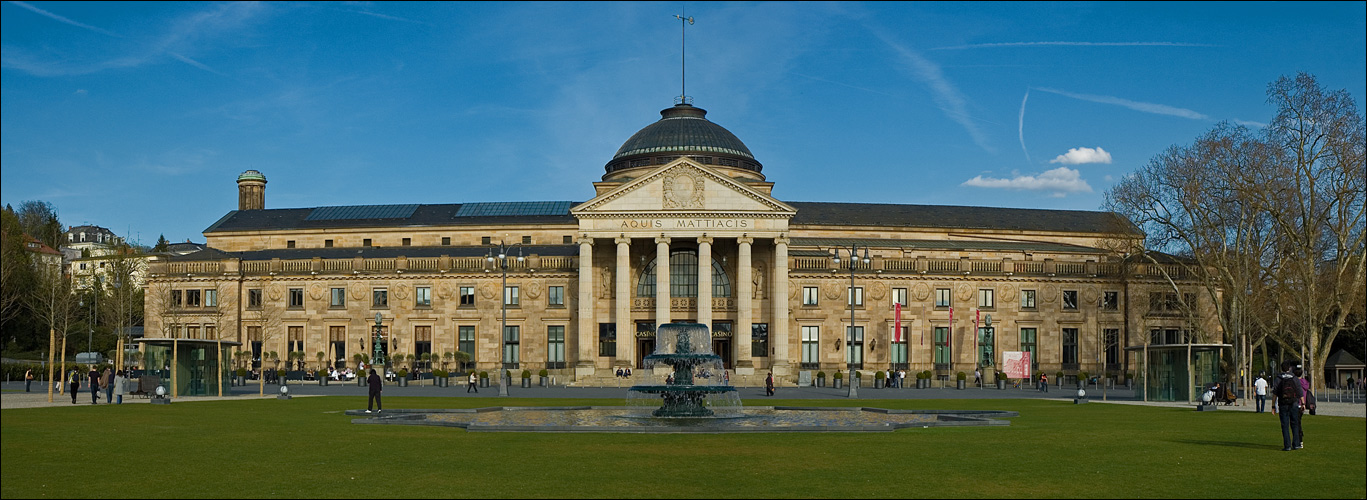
(251, 191)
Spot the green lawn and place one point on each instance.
(305, 447)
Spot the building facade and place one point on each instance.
(683, 227)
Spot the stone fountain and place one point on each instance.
(693, 388)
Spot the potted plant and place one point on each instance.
(1058, 378)
(1129, 380)
(280, 376)
(838, 380)
(484, 379)
(962, 378)
(362, 376)
(879, 378)
(241, 376)
(543, 374)
(858, 378)
(322, 376)
(526, 378)
(1082, 379)
(403, 377)
(821, 379)
(439, 378)
(1001, 381)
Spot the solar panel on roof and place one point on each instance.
(509, 208)
(362, 212)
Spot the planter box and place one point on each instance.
(1001, 385)
(403, 381)
(527, 382)
(838, 383)
(323, 381)
(361, 379)
(821, 381)
(962, 384)
(542, 382)
(241, 380)
(878, 383)
(484, 382)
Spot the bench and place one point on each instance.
(147, 386)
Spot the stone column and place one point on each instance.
(626, 332)
(588, 328)
(661, 281)
(745, 291)
(778, 332)
(705, 281)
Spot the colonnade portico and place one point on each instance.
(666, 308)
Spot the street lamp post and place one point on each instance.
(852, 265)
(501, 260)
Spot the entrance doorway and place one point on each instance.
(644, 347)
(722, 347)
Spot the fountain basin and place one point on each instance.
(618, 419)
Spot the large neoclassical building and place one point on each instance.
(587, 281)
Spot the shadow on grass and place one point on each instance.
(1232, 444)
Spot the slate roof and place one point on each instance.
(369, 252)
(808, 213)
(957, 217)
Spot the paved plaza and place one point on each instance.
(14, 397)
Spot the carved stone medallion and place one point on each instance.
(832, 290)
(965, 292)
(683, 189)
(1090, 294)
(920, 291)
(357, 291)
(534, 289)
(1050, 293)
(316, 291)
(1008, 293)
(878, 290)
(274, 293)
(401, 291)
(486, 290)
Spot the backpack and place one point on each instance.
(1288, 391)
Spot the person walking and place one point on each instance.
(1260, 393)
(769, 384)
(28, 379)
(977, 378)
(108, 383)
(376, 385)
(94, 386)
(1043, 383)
(1307, 400)
(73, 384)
(119, 385)
(471, 385)
(1289, 395)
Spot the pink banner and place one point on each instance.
(1016, 364)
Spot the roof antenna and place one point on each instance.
(683, 65)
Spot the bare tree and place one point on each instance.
(122, 305)
(54, 303)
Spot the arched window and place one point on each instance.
(683, 277)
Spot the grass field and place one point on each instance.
(306, 447)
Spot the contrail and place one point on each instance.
(1074, 44)
(1160, 109)
(65, 20)
(1021, 126)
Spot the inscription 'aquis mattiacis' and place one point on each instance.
(687, 224)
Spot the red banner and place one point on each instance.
(897, 322)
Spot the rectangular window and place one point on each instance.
(1070, 348)
(1028, 299)
(296, 339)
(337, 341)
(759, 340)
(379, 297)
(810, 296)
(484, 240)
(1155, 301)
(985, 344)
(510, 296)
(855, 296)
(607, 339)
(941, 297)
(254, 336)
(899, 297)
(296, 298)
(1028, 344)
(422, 296)
(555, 296)
(466, 336)
(338, 298)
(210, 332)
(1070, 300)
(898, 353)
(327, 243)
(526, 240)
(854, 347)
(1156, 336)
(555, 347)
(192, 332)
(177, 298)
(254, 298)
(467, 296)
(942, 346)
(192, 298)
(987, 298)
(1110, 301)
(1189, 301)
(289, 244)
(811, 347)
(408, 242)
(446, 241)
(1111, 336)
(422, 340)
(568, 240)
(211, 298)
(1170, 302)
(365, 242)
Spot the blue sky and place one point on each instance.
(139, 116)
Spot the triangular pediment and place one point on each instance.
(684, 188)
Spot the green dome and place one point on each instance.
(251, 175)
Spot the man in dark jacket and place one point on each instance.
(94, 385)
(1289, 395)
(376, 385)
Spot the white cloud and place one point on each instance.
(81, 92)
(1059, 182)
(1078, 156)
